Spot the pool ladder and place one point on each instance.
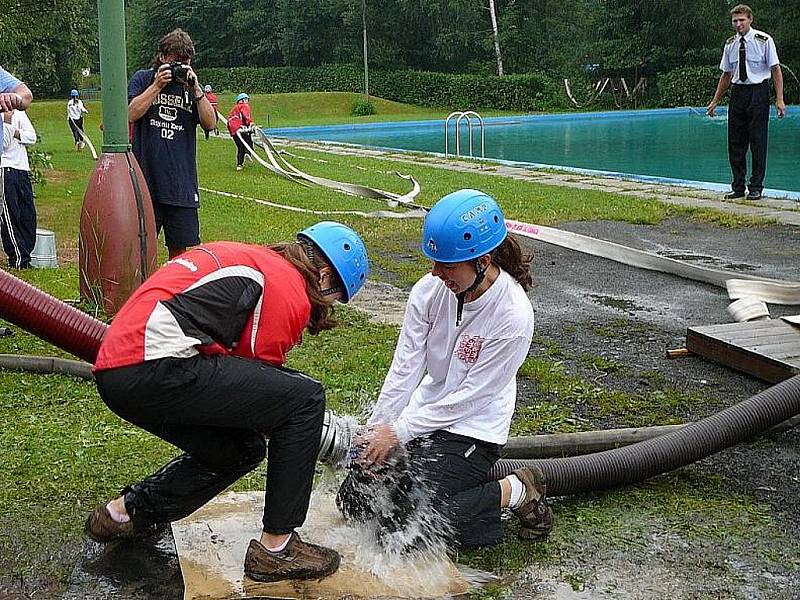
(459, 116)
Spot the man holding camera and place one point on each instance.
(166, 103)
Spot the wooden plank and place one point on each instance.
(743, 339)
(707, 344)
(720, 328)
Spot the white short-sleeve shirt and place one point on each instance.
(761, 57)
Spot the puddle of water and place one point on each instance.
(212, 543)
(711, 261)
(618, 303)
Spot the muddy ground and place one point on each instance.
(591, 306)
(578, 296)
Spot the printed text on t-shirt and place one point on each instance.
(469, 348)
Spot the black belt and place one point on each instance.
(751, 85)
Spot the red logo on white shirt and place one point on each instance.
(469, 349)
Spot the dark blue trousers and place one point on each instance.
(18, 218)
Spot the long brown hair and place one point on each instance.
(509, 257)
(321, 306)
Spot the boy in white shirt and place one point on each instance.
(445, 407)
(17, 213)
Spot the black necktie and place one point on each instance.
(742, 61)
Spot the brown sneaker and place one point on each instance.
(535, 517)
(298, 560)
(102, 528)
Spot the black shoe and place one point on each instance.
(754, 195)
(733, 195)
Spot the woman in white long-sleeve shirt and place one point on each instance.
(17, 212)
(449, 396)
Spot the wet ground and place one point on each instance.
(588, 305)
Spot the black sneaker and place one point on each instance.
(733, 195)
(754, 195)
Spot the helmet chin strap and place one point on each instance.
(480, 275)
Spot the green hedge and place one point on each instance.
(530, 92)
(688, 86)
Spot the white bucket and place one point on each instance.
(44, 251)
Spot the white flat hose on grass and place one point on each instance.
(377, 214)
(86, 139)
(283, 168)
(738, 285)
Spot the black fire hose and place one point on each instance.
(640, 461)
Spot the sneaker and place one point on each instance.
(81, 145)
(754, 195)
(298, 560)
(102, 528)
(239, 167)
(535, 517)
(733, 195)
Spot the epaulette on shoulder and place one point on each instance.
(730, 40)
(761, 37)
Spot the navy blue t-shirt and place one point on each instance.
(165, 142)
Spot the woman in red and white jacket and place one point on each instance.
(196, 356)
(240, 121)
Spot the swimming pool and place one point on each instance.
(678, 145)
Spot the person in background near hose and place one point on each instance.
(748, 61)
(240, 121)
(75, 112)
(212, 99)
(18, 212)
(166, 103)
(196, 356)
(445, 407)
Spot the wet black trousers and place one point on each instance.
(748, 126)
(75, 126)
(18, 218)
(445, 473)
(218, 410)
(241, 150)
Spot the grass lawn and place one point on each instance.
(64, 451)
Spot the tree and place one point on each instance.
(46, 43)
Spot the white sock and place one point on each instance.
(517, 491)
(117, 516)
(280, 547)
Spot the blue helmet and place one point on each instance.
(461, 226)
(242, 96)
(345, 250)
(73, 93)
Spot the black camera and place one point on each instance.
(180, 72)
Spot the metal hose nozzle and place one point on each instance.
(336, 440)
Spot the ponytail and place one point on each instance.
(509, 257)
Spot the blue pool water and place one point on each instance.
(672, 144)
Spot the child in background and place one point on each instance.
(239, 121)
(212, 99)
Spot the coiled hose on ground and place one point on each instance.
(640, 461)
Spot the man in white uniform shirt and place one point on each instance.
(445, 407)
(748, 61)
(17, 213)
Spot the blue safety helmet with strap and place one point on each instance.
(462, 226)
(242, 96)
(73, 93)
(344, 250)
